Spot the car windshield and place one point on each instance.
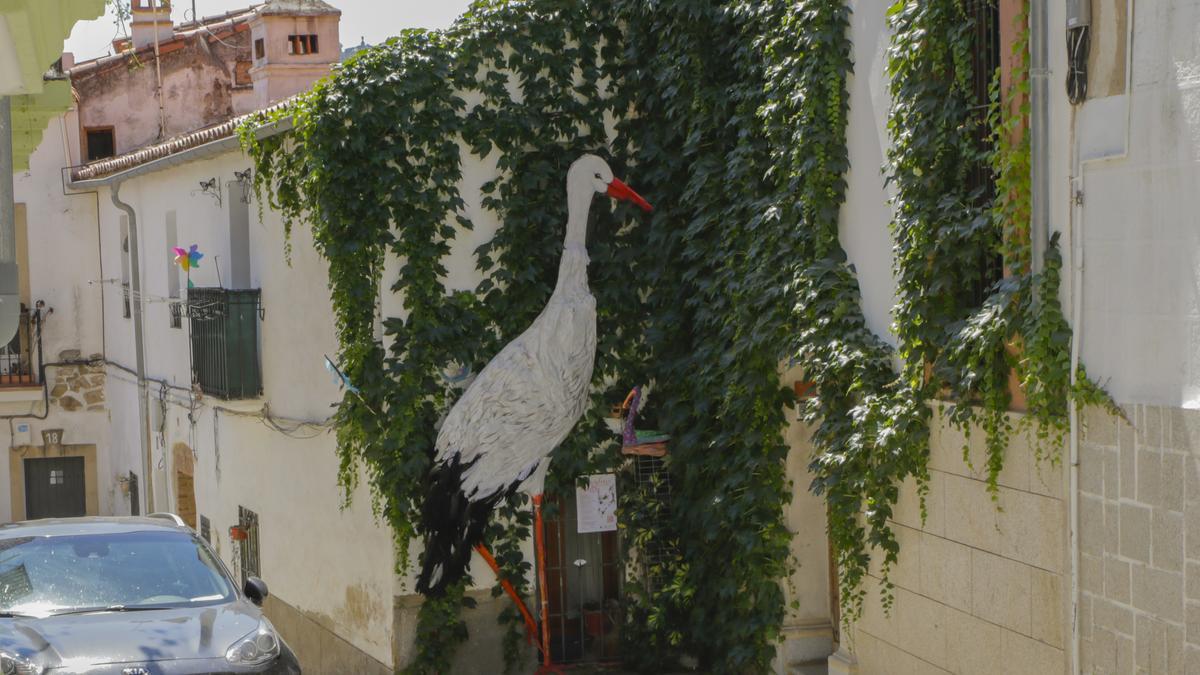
(40, 576)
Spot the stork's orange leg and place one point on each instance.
(530, 624)
(539, 535)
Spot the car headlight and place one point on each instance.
(11, 664)
(254, 648)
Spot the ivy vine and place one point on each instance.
(963, 329)
(730, 116)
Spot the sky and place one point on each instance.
(372, 20)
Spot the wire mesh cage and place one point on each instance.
(652, 483)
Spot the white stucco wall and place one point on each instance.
(865, 216)
(61, 262)
(333, 565)
(1141, 286)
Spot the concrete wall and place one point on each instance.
(981, 585)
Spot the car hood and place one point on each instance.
(79, 640)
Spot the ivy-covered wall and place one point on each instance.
(731, 118)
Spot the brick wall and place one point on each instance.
(1140, 542)
(981, 586)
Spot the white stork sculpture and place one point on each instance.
(499, 436)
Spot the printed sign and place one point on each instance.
(596, 504)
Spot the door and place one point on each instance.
(185, 498)
(583, 574)
(54, 488)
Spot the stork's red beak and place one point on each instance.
(619, 190)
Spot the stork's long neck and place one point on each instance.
(572, 269)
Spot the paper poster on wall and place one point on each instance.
(596, 504)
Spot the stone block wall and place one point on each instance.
(77, 387)
(1140, 542)
(981, 586)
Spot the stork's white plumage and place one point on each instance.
(500, 434)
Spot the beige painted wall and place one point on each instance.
(981, 585)
(808, 630)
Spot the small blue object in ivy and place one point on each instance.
(339, 378)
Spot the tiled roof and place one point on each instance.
(301, 7)
(173, 146)
(211, 26)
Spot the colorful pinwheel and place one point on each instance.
(188, 259)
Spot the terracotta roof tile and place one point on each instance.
(173, 146)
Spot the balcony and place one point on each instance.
(224, 335)
(19, 358)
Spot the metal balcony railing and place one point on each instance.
(19, 358)
(224, 336)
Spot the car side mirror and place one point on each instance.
(256, 590)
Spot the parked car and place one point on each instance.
(128, 596)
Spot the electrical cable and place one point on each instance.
(1078, 46)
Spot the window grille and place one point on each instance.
(19, 358)
(981, 179)
(248, 547)
(653, 483)
(205, 529)
(224, 336)
(176, 314)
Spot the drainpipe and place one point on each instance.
(1076, 229)
(1039, 129)
(135, 288)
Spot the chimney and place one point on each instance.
(294, 43)
(147, 15)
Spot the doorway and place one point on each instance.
(54, 488)
(583, 579)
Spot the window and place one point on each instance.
(302, 44)
(100, 143)
(260, 49)
(175, 308)
(135, 498)
(146, 569)
(981, 179)
(224, 337)
(205, 529)
(125, 306)
(248, 547)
